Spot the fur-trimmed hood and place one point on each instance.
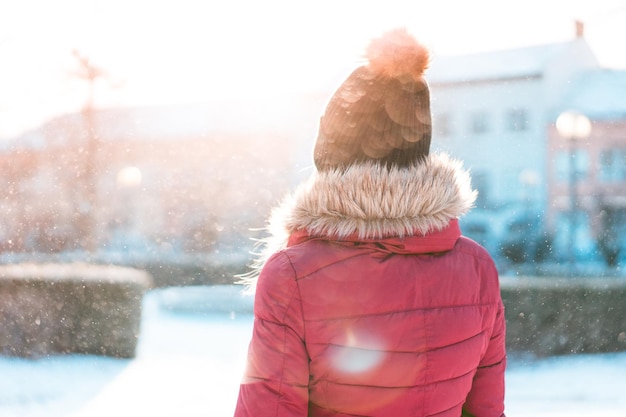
(370, 201)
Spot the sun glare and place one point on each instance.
(179, 52)
(129, 177)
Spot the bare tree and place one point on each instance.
(87, 171)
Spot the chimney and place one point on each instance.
(580, 29)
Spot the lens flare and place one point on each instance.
(360, 353)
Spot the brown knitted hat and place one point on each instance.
(382, 111)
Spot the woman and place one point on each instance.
(369, 301)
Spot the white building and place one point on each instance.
(493, 110)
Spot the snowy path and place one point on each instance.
(190, 364)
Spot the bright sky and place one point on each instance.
(181, 51)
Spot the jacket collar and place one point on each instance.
(370, 202)
(436, 241)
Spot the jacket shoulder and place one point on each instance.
(308, 257)
(276, 288)
(465, 244)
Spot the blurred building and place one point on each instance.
(497, 110)
(599, 162)
(194, 178)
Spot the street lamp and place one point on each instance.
(572, 126)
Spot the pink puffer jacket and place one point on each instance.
(395, 319)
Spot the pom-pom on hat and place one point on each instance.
(382, 111)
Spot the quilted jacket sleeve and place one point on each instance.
(275, 382)
(486, 398)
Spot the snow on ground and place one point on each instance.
(191, 356)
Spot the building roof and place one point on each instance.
(599, 94)
(529, 61)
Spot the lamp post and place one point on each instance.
(572, 126)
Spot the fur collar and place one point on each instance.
(371, 202)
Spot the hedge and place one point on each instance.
(554, 316)
(70, 308)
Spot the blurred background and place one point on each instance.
(134, 131)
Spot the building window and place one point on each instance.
(581, 163)
(480, 182)
(562, 167)
(580, 223)
(517, 120)
(613, 165)
(479, 122)
(443, 125)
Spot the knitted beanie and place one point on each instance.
(382, 111)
